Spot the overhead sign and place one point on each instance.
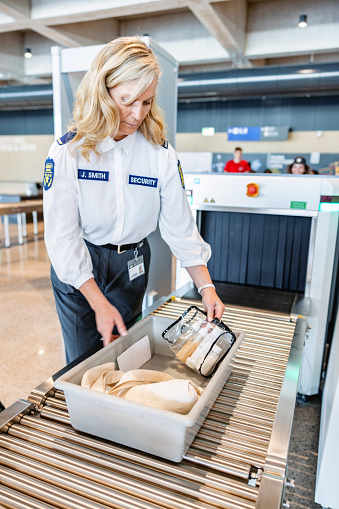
(267, 133)
(208, 131)
(273, 133)
(243, 133)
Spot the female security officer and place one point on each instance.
(106, 185)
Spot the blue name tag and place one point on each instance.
(143, 181)
(92, 175)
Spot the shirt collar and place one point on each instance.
(126, 144)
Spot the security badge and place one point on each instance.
(48, 174)
(136, 266)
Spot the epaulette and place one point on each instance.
(165, 144)
(66, 137)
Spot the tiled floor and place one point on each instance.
(31, 350)
(31, 347)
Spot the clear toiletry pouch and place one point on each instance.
(200, 344)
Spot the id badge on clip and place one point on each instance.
(136, 266)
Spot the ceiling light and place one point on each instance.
(28, 53)
(302, 21)
(307, 71)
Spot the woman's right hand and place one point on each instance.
(107, 317)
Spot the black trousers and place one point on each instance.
(111, 275)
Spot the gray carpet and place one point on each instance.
(303, 454)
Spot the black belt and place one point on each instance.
(122, 248)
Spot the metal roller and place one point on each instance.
(222, 498)
(108, 477)
(268, 409)
(247, 436)
(226, 454)
(233, 443)
(255, 375)
(89, 455)
(56, 403)
(237, 389)
(16, 500)
(217, 463)
(59, 395)
(44, 491)
(247, 402)
(129, 493)
(56, 414)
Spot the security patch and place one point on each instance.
(93, 175)
(142, 181)
(181, 175)
(48, 174)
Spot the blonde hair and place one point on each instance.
(95, 114)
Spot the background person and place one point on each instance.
(298, 167)
(107, 183)
(237, 164)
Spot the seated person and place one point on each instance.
(237, 164)
(298, 167)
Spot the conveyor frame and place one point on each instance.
(237, 461)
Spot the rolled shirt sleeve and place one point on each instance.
(63, 232)
(176, 223)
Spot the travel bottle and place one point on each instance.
(192, 343)
(222, 345)
(195, 360)
(188, 333)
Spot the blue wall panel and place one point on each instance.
(25, 122)
(298, 113)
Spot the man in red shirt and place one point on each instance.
(237, 164)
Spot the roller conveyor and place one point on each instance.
(236, 461)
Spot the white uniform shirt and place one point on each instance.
(116, 199)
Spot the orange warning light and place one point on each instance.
(252, 190)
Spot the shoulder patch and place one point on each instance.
(48, 174)
(66, 137)
(165, 144)
(181, 175)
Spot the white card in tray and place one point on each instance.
(136, 355)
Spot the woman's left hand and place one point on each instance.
(212, 304)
